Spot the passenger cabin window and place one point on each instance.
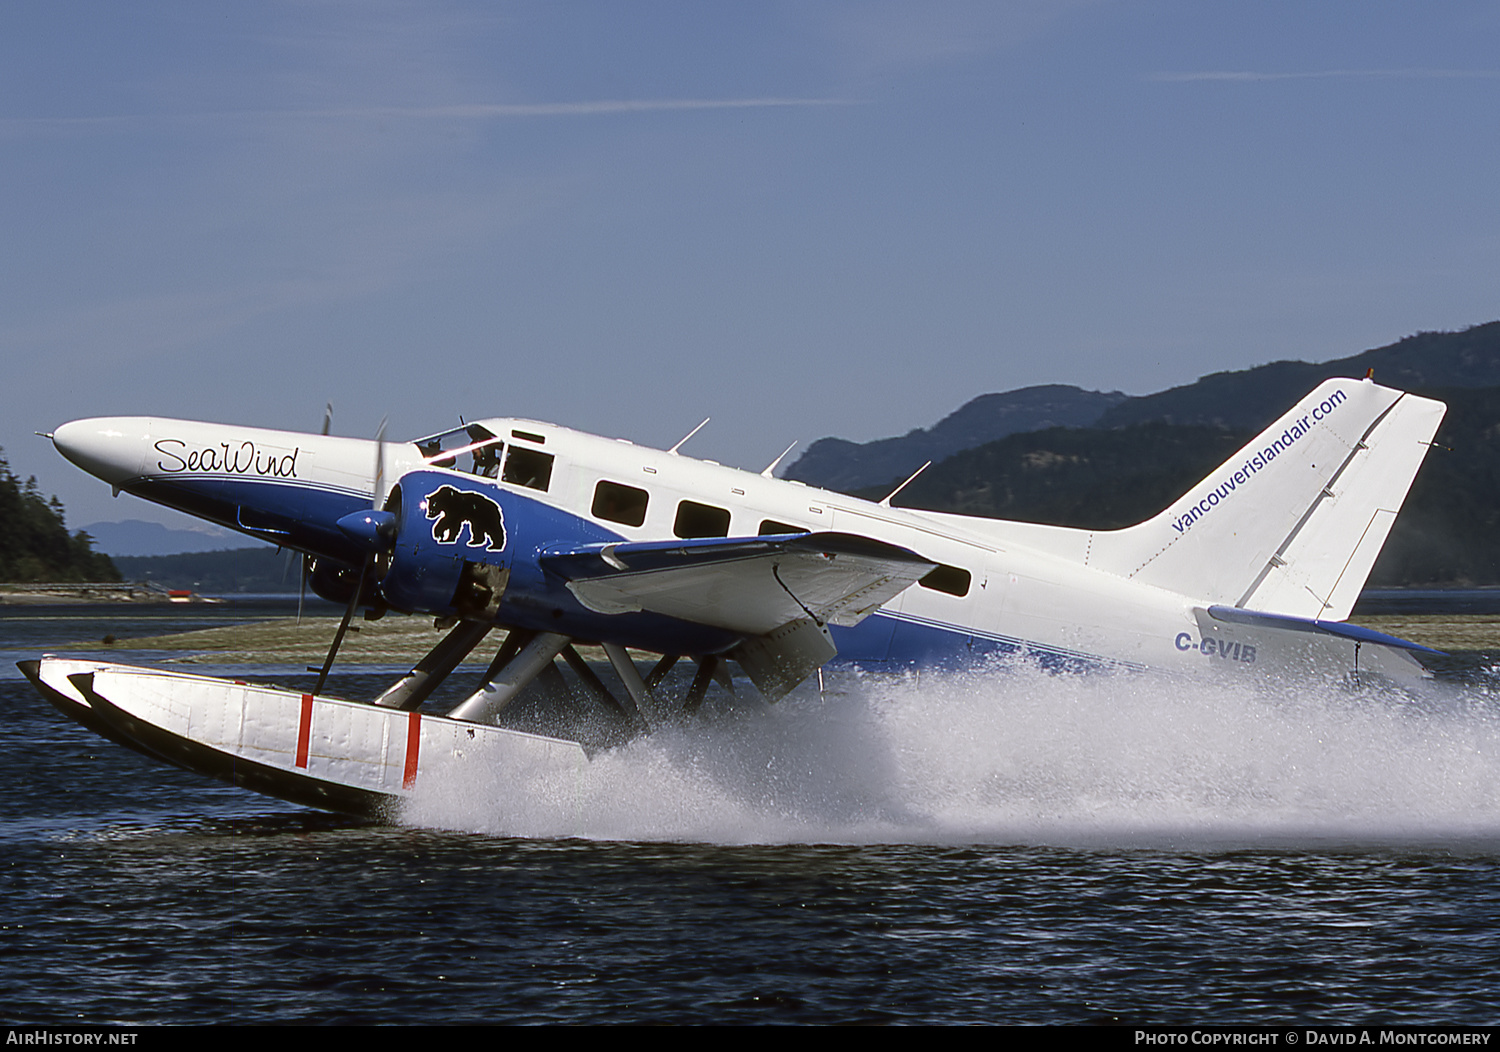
(948, 579)
(528, 467)
(617, 503)
(769, 527)
(700, 520)
(473, 449)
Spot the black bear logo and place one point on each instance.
(452, 508)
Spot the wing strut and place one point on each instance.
(708, 670)
(503, 684)
(338, 637)
(408, 692)
(635, 686)
(592, 683)
(660, 670)
(525, 658)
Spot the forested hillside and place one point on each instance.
(1085, 477)
(835, 463)
(1252, 398)
(1244, 399)
(35, 544)
(229, 572)
(1448, 532)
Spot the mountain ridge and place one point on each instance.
(836, 463)
(1240, 399)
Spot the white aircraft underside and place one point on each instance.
(562, 537)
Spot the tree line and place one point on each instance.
(1448, 532)
(35, 545)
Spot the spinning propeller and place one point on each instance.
(307, 559)
(375, 529)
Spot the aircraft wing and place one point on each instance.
(753, 585)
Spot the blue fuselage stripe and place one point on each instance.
(303, 517)
(295, 516)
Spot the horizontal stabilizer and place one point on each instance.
(1237, 616)
(753, 585)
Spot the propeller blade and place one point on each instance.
(286, 564)
(327, 417)
(379, 465)
(338, 637)
(302, 587)
(377, 498)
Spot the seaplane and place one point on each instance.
(557, 540)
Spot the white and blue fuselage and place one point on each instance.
(1255, 567)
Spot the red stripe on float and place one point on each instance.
(413, 743)
(304, 730)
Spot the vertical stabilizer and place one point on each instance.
(1292, 523)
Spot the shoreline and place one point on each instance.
(81, 593)
(396, 638)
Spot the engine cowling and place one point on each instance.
(461, 544)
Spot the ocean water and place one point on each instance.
(1005, 846)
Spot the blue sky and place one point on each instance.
(801, 219)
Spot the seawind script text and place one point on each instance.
(227, 458)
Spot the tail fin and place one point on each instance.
(1292, 523)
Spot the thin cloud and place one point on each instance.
(586, 109)
(467, 111)
(1331, 74)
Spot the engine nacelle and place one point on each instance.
(334, 581)
(464, 543)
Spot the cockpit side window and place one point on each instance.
(474, 450)
(486, 456)
(528, 467)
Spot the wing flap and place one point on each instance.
(753, 585)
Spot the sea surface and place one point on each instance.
(1000, 846)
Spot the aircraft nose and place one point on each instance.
(109, 448)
